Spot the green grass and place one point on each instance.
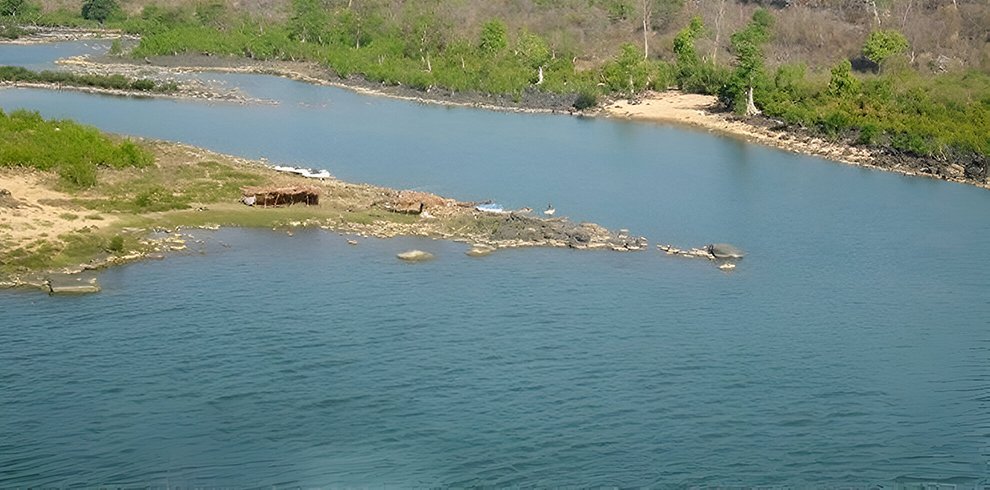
(73, 150)
(154, 189)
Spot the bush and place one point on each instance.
(11, 32)
(493, 37)
(80, 174)
(116, 244)
(99, 10)
(883, 44)
(585, 99)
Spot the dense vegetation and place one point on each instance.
(117, 82)
(868, 72)
(73, 150)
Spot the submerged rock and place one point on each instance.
(415, 256)
(73, 284)
(480, 250)
(724, 251)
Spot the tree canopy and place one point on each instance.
(99, 10)
(883, 44)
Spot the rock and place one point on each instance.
(415, 256)
(73, 284)
(480, 250)
(724, 251)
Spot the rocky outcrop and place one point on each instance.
(519, 230)
(415, 256)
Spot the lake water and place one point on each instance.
(850, 348)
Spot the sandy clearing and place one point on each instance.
(34, 210)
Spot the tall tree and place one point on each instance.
(99, 10)
(309, 21)
(747, 45)
(10, 8)
(646, 9)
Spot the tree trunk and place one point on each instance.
(751, 109)
(429, 66)
(718, 29)
(646, 39)
(647, 13)
(540, 81)
(876, 13)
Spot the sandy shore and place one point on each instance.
(702, 111)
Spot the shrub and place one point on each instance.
(493, 37)
(78, 174)
(99, 10)
(585, 99)
(116, 244)
(883, 44)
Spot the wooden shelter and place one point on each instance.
(281, 196)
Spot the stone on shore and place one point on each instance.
(415, 256)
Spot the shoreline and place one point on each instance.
(670, 107)
(693, 111)
(42, 220)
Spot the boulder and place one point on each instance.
(480, 250)
(415, 256)
(724, 251)
(73, 284)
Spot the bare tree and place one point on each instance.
(718, 29)
(647, 11)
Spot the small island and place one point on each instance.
(74, 199)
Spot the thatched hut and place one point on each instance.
(281, 196)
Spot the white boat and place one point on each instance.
(490, 208)
(305, 172)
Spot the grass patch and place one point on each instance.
(74, 151)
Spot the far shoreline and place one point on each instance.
(687, 110)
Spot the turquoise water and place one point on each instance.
(850, 347)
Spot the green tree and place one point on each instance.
(99, 10)
(843, 83)
(883, 44)
(747, 45)
(494, 39)
(630, 73)
(687, 56)
(308, 22)
(11, 8)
